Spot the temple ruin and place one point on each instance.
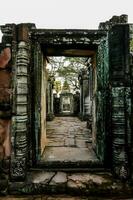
(27, 105)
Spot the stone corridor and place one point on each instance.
(69, 143)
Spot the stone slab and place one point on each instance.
(41, 177)
(100, 185)
(70, 154)
(59, 178)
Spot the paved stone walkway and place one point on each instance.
(68, 132)
(68, 140)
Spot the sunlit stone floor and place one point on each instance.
(68, 141)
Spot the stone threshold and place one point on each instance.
(99, 184)
(69, 169)
(71, 166)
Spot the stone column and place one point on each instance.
(120, 86)
(85, 102)
(50, 110)
(19, 124)
(81, 94)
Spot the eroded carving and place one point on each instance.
(20, 120)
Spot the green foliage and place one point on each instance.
(57, 86)
(131, 45)
(65, 86)
(68, 68)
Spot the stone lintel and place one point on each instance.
(68, 37)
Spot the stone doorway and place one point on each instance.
(50, 147)
(88, 87)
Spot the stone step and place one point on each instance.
(72, 166)
(98, 184)
(70, 170)
(69, 157)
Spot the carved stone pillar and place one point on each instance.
(21, 103)
(19, 129)
(121, 99)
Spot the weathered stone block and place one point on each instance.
(22, 109)
(22, 98)
(5, 79)
(2, 152)
(22, 88)
(3, 186)
(5, 95)
(59, 178)
(21, 69)
(20, 122)
(2, 132)
(5, 84)
(23, 32)
(18, 168)
(43, 177)
(5, 57)
(5, 135)
(70, 142)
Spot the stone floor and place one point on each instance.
(69, 141)
(57, 197)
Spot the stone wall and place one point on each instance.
(5, 114)
(85, 99)
(120, 90)
(131, 73)
(100, 99)
(122, 19)
(43, 106)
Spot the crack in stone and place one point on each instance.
(51, 178)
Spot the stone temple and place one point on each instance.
(79, 143)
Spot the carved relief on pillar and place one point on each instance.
(19, 129)
(121, 130)
(120, 84)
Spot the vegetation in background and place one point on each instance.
(68, 68)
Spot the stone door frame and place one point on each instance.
(65, 42)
